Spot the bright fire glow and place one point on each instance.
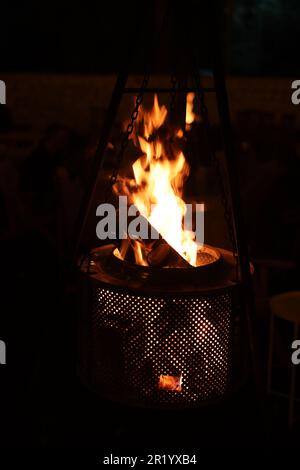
(190, 116)
(159, 179)
(170, 382)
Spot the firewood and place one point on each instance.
(156, 253)
(163, 255)
(159, 253)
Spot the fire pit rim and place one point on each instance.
(221, 277)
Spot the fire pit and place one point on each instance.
(156, 341)
(161, 317)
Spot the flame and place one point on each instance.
(190, 116)
(138, 253)
(159, 175)
(170, 382)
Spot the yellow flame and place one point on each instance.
(159, 181)
(190, 116)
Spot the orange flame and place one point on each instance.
(158, 183)
(170, 382)
(190, 116)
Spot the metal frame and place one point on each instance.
(219, 89)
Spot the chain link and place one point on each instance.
(129, 130)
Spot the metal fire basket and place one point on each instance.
(158, 339)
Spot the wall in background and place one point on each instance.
(35, 101)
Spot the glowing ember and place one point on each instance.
(159, 175)
(170, 382)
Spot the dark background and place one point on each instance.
(43, 404)
(261, 36)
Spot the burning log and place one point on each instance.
(157, 254)
(153, 253)
(163, 254)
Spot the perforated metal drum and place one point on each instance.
(158, 342)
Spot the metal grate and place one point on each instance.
(138, 339)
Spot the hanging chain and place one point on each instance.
(128, 132)
(216, 164)
(120, 154)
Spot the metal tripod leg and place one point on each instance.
(97, 163)
(245, 270)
